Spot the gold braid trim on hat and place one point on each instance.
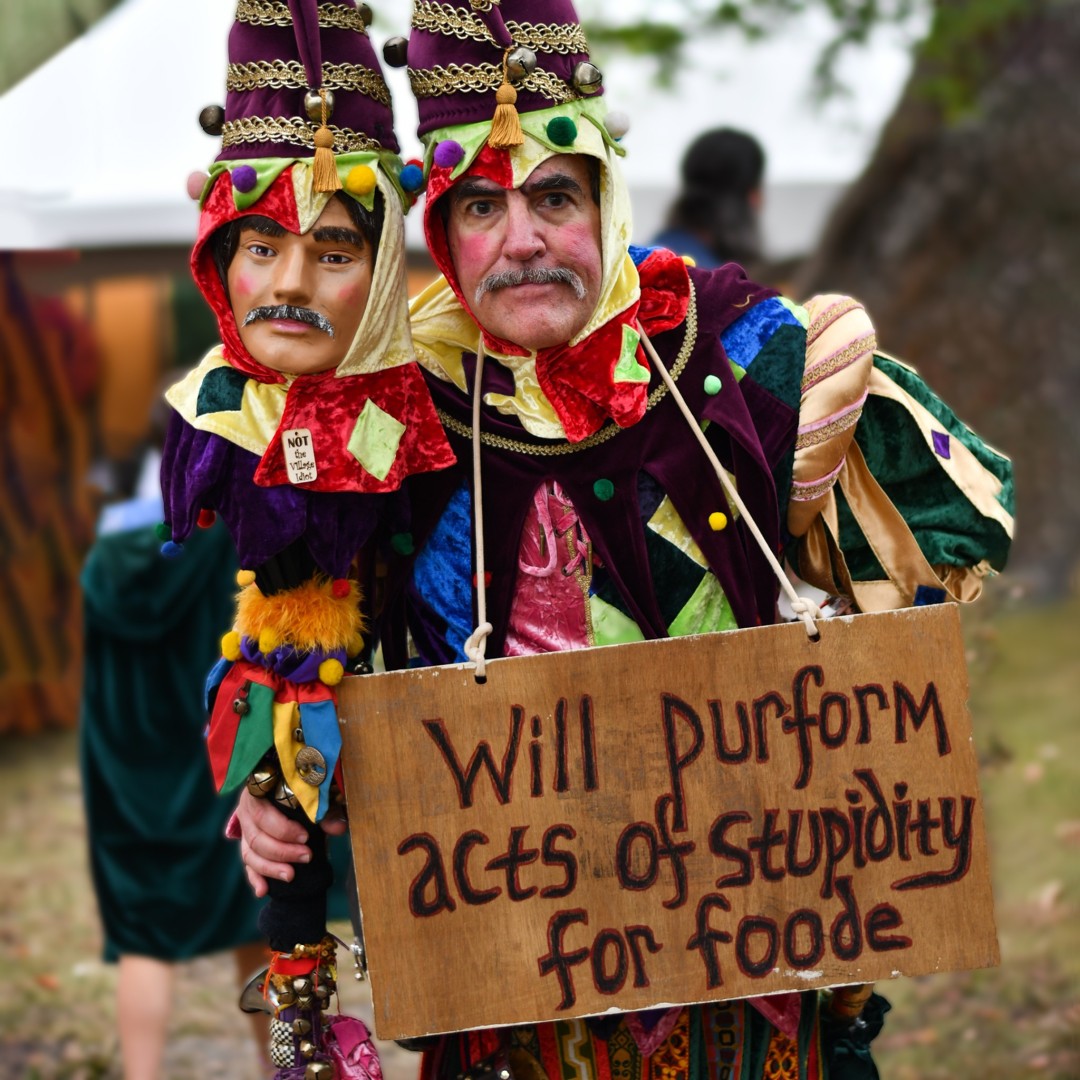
(609, 431)
(436, 81)
(484, 5)
(254, 129)
(279, 74)
(275, 13)
(540, 37)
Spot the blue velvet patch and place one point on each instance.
(213, 681)
(442, 573)
(748, 335)
(319, 720)
(927, 595)
(639, 254)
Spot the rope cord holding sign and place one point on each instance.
(807, 611)
(476, 642)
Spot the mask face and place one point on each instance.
(298, 300)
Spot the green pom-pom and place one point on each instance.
(562, 131)
(163, 531)
(603, 489)
(402, 543)
(712, 384)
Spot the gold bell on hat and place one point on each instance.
(319, 1070)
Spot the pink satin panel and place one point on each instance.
(549, 613)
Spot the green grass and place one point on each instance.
(1019, 1020)
(1023, 1018)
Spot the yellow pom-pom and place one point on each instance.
(230, 645)
(331, 672)
(361, 180)
(689, 260)
(354, 646)
(244, 578)
(717, 521)
(268, 641)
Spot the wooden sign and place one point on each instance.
(667, 822)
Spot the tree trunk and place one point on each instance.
(963, 241)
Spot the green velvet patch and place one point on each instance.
(610, 625)
(778, 367)
(706, 611)
(675, 574)
(948, 528)
(990, 460)
(628, 369)
(375, 439)
(222, 391)
(254, 737)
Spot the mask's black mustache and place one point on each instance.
(293, 314)
(534, 275)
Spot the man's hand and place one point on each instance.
(271, 843)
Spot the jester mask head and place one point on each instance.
(300, 250)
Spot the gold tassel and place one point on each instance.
(324, 174)
(505, 124)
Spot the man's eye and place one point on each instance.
(338, 258)
(481, 208)
(260, 250)
(556, 199)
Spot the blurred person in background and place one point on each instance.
(715, 218)
(168, 884)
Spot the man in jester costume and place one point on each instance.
(603, 520)
(299, 430)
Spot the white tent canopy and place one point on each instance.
(106, 133)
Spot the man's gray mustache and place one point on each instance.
(293, 314)
(534, 275)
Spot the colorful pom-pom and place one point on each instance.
(196, 181)
(244, 578)
(206, 518)
(268, 640)
(402, 543)
(717, 521)
(244, 178)
(411, 178)
(331, 671)
(449, 153)
(617, 124)
(689, 260)
(340, 588)
(487, 580)
(603, 489)
(163, 531)
(230, 645)
(361, 180)
(172, 550)
(712, 385)
(562, 131)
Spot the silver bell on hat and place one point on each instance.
(587, 78)
(313, 104)
(520, 62)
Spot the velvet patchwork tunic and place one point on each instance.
(627, 535)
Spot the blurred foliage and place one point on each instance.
(953, 48)
(36, 29)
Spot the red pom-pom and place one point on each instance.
(340, 588)
(487, 579)
(206, 518)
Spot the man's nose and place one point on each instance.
(523, 239)
(292, 279)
